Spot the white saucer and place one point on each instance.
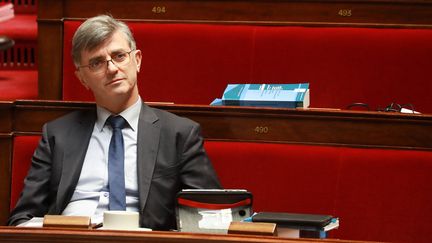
(134, 229)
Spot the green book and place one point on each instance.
(273, 95)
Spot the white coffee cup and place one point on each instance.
(124, 220)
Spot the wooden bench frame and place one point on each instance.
(266, 125)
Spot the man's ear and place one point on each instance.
(138, 57)
(81, 79)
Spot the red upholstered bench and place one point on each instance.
(192, 63)
(18, 66)
(22, 27)
(20, 84)
(378, 194)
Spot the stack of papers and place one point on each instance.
(299, 225)
(6, 11)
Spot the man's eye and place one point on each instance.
(120, 57)
(95, 64)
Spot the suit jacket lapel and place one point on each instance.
(148, 142)
(73, 159)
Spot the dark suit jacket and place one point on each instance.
(170, 157)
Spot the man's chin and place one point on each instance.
(119, 89)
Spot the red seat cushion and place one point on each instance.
(20, 27)
(18, 84)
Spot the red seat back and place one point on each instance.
(23, 148)
(193, 63)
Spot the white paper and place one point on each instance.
(35, 222)
(215, 219)
(405, 110)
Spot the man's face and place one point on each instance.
(114, 81)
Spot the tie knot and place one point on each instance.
(116, 122)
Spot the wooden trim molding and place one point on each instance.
(269, 125)
(12, 234)
(6, 127)
(317, 12)
(6, 116)
(5, 175)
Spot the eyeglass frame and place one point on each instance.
(393, 107)
(110, 60)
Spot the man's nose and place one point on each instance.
(111, 66)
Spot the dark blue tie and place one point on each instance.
(116, 179)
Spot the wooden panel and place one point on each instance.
(5, 157)
(29, 116)
(12, 234)
(315, 126)
(5, 175)
(6, 116)
(316, 12)
(50, 59)
(50, 49)
(50, 9)
(318, 127)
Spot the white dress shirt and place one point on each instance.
(91, 195)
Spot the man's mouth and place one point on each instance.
(114, 81)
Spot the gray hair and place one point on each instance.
(94, 32)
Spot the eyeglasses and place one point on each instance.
(393, 107)
(98, 65)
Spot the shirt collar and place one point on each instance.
(131, 115)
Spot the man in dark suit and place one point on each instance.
(163, 153)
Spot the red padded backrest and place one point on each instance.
(192, 63)
(276, 174)
(385, 195)
(23, 148)
(378, 194)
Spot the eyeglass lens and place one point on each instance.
(119, 59)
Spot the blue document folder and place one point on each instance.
(273, 95)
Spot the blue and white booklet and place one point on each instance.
(266, 95)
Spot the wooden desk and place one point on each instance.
(276, 125)
(12, 234)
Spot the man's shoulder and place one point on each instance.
(73, 117)
(171, 118)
